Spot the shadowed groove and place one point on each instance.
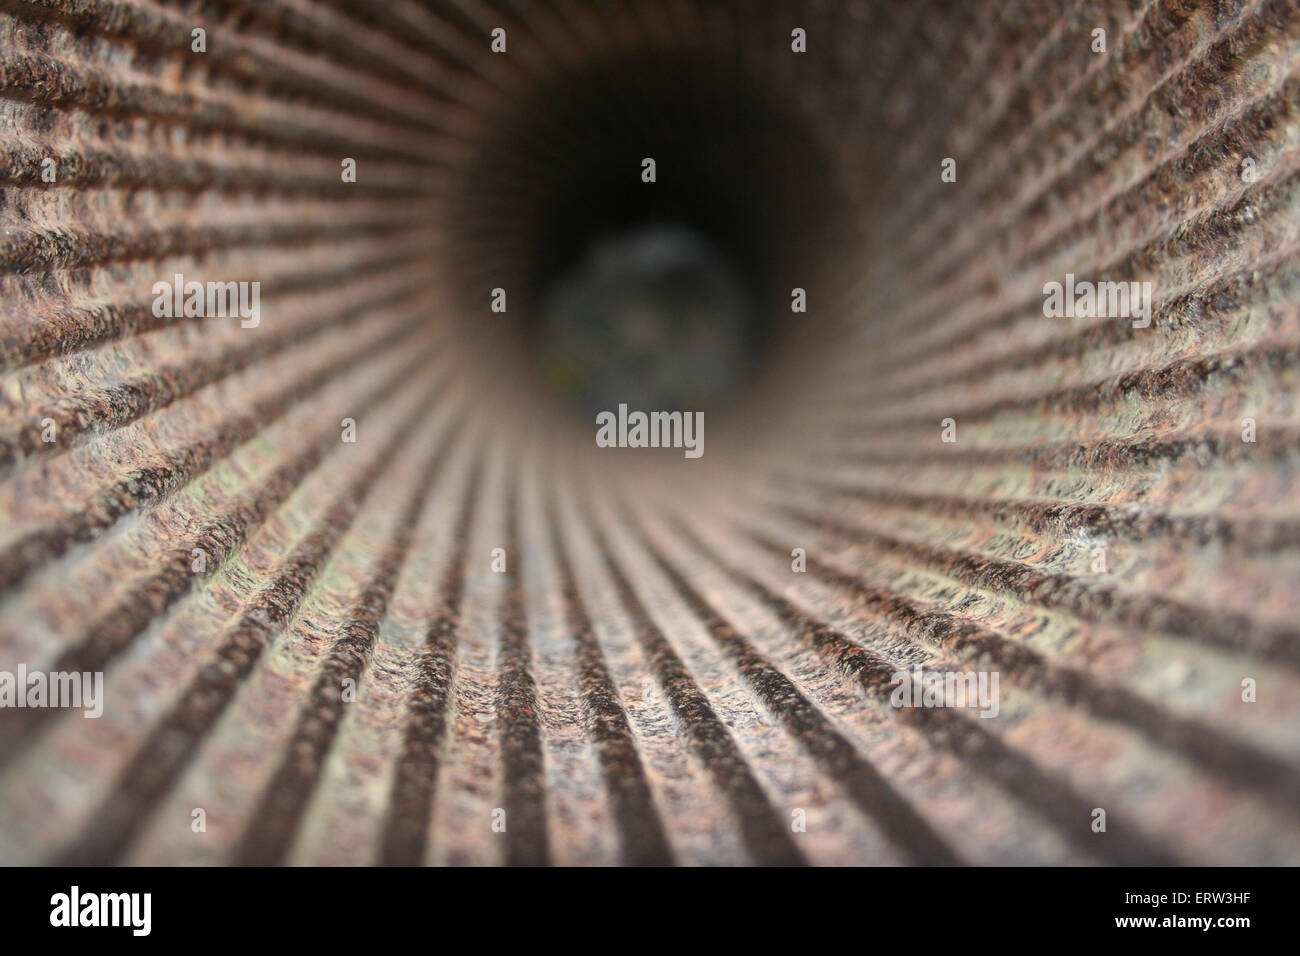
(763, 597)
(125, 402)
(641, 830)
(155, 481)
(71, 329)
(519, 713)
(1235, 762)
(766, 837)
(159, 762)
(33, 251)
(276, 819)
(106, 637)
(1089, 600)
(1114, 127)
(1038, 516)
(813, 731)
(944, 727)
(405, 833)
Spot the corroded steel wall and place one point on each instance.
(312, 640)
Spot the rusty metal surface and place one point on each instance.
(650, 681)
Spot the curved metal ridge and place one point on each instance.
(470, 635)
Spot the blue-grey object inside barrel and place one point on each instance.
(657, 318)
